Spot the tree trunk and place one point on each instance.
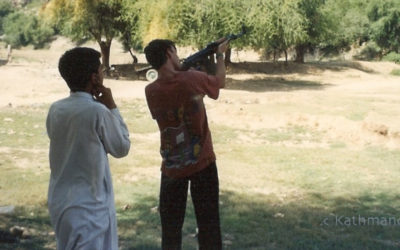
(9, 51)
(228, 53)
(105, 53)
(135, 59)
(300, 53)
(286, 62)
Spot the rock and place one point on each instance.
(227, 242)
(229, 237)
(380, 129)
(7, 209)
(154, 210)
(279, 215)
(126, 207)
(195, 234)
(22, 232)
(28, 233)
(17, 231)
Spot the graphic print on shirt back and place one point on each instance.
(179, 147)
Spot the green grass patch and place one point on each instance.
(24, 127)
(295, 134)
(395, 72)
(392, 57)
(272, 188)
(136, 115)
(37, 222)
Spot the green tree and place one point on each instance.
(385, 24)
(276, 25)
(21, 29)
(99, 20)
(315, 24)
(199, 23)
(348, 24)
(194, 23)
(6, 8)
(129, 27)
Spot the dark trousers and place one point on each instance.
(204, 189)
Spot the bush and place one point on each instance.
(5, 9)
(371, 52)
(392, 57)
(22, 30)
(395, 72)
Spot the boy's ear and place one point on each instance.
(169, 52)
(94, 79)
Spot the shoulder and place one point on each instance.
(196, 78)
(150, 87)
(192, 74)
(193, 78)
(98, 108)
(59, 105)
(60, 102)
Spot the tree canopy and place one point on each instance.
(100, 20)
(274, 26)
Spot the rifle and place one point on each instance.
(197, 59)
(201, 56)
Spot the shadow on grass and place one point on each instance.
(263, 84)
(130, 72)
(313, 221)
(135, 71)
(292, 67)
(343, 65)
(3, 62)
(37, 233)
(265, 222)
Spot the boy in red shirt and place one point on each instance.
(175, 101)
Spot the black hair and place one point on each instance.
(156, 52)
(77, 65)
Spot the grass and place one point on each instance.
(395, 72)
(275, 193)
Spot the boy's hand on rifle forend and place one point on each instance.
(223, 46)
(220, 66)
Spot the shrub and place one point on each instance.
(395, 72)
(370, 52)
(5, 9)
(392, 57)
(21, 30)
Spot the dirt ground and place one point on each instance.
(321, 95)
